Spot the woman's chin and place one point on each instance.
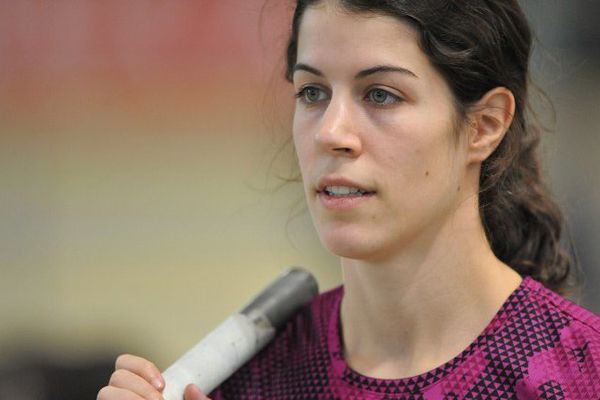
(353, 248)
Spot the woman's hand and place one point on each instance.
(136, 378)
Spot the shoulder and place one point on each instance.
(294, 352)
(573, 318)
(561, 342)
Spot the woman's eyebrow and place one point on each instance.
(384, 68)
(361, 74)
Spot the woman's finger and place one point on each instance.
(127, 380)
(115, 393)
(142, 367)
(193, 393)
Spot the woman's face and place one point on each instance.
(375, 133)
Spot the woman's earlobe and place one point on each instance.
(490, 119)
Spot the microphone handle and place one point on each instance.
(216, 357)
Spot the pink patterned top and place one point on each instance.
(538, 346)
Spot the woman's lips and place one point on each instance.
(344, 202)
(340, 193)
(336, 182)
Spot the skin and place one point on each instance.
(421, 281)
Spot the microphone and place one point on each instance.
(237, 339)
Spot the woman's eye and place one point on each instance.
(382, 97)
(311, 94)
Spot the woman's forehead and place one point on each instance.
(332, 36)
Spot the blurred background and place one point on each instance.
(140, 145)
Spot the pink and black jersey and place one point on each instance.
(538, 346)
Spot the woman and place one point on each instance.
(419, 169)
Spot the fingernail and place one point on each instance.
(157, 383)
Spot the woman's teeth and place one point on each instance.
(344, 191)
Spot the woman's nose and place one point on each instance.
(339, 129)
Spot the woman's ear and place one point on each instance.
(489, 120)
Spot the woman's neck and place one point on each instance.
(415, 311)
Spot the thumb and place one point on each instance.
(193, 393)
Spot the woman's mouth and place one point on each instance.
(343, 198)
(344, 191)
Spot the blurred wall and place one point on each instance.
(138, 201)
(566, 65)
(135, 144)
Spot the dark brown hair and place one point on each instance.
(477, 46)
